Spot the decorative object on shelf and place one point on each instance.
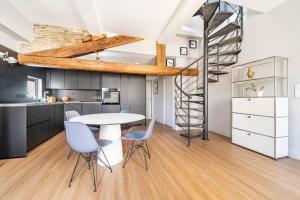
(155, 87)
(193, 44)
(250, 73)
(183, 51)
(65, 99)
(258, 91)
(170, 62)
(52, 99)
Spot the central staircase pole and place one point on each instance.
(205, 82)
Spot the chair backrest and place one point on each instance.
(80, 137)
(150, 129)
(71, 114)
(124, 111)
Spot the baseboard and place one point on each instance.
(217, 132)
(294, 154)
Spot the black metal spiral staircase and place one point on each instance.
(223, 34)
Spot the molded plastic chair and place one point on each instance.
(139, 141)
(73, 113)
(82, 140)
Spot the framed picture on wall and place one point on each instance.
(155, 87)
(170, 62)
(183, 51)
(193, 44)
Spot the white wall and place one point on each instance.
(273, 33)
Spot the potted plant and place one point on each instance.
(258, 91)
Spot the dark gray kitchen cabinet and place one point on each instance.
(111, 81)
(70, 79)
(138, 94)
(73, 106)
(48, 78)
(111, 108)
(57, 79)
(125, 92)
(95, 81)
(57, 118)
(91, 108)
(84, 80)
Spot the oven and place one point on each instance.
(110, 96)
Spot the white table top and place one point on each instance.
(108, 118)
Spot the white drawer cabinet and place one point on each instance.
(261, 106)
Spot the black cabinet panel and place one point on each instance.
(84, 80)
(111, 81)
(95, 80)
(37, 134)
(38, 114)
(91, 108)
(57, 118)
(73, 106)
(125, 92)
(70, 79)
(111, 108)
(57, 79)
(48, 78)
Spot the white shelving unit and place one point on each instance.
(260, 123)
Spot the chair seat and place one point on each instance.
(94, 129)
(103, 143)
(134, 135)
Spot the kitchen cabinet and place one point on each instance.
(48, 78)
(71, 79)
(111, 80)
(125, 92)
(138, 94)
(57, 118)
(111, 108)
(84, 80)
(95, 81)
(73, 106)
(91, 108)
(57, 79)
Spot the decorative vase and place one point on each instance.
(250, 73)
(259, 93)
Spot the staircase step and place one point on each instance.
(194, 109)
(191, 125)
(207, 10)
(236, 39)
(197, 94)
(226, 29)
(227, 63)
(224, 53)
(218, 19)
(210, 80)
(191, 116)
(191, 101)
(215, 72)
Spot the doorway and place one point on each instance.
(149, 100)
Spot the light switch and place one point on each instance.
(297, 90)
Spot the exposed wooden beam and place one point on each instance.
(86, 48)
(92, 65)
(160, 54)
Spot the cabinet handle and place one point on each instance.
(249, 99)
(249, 134)
(249, 116)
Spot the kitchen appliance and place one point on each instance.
(110, 96)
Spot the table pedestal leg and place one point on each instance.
(112, 151)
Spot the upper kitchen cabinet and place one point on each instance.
(125, 92)
(84, 80)
(57, 78)
(95, 81)
(111, 81)
(71, 79)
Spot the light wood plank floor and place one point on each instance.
(207, 170)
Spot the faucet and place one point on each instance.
(46, 92)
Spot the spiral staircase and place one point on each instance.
(223, 34)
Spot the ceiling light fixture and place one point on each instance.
(10, 60)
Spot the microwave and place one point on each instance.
(110, 96)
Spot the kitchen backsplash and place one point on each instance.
(78, 95)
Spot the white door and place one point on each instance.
(149, 100)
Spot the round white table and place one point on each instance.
(110, 129)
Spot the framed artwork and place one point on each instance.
(193, 44)
(155, 87)
(183, 51)
(171, 62)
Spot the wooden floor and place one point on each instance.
(207, 170)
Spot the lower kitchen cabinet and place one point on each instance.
(111, 108)
(91, 108)
(73, 106)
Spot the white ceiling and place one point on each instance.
(142, 18)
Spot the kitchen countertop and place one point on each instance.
(39, 103)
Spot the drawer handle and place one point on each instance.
(249, 116)
(249, 134)
(249, 99)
